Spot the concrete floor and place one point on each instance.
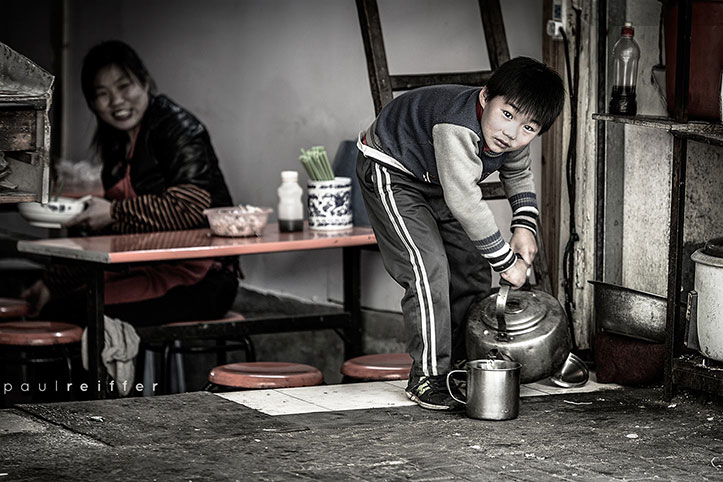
(621, 434)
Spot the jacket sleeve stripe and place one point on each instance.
(180, 207)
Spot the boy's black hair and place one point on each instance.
(108, 141)
(530, 85)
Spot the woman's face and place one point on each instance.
(120, 99)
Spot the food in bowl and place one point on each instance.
(242, 220)
(52, 214)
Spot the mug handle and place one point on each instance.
(449, 389)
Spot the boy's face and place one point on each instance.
(503, 127)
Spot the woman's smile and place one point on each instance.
(120, 99)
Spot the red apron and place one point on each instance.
(147, 282)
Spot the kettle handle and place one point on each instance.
(501, 302)
(500, 307)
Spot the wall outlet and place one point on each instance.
(558, 22)
(553, 29)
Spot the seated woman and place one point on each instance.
(159, 173)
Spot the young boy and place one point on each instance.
(420, 165)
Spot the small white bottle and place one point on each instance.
(291, 210)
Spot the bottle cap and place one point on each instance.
(290, 176)
(627, 30)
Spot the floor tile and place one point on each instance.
(352, 396)
(548, 388)
(357, 396)
(528, 391)
(272, 402)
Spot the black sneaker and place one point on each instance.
(431, 393)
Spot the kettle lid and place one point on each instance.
(523, 311)
(714, 247)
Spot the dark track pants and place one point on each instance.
(426, 250)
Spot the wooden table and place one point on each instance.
(103, 253)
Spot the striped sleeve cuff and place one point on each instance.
(180, 207)
(524, 211)
(497, 252)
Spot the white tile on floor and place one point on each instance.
(528, 391)
(356, 396)
(548, 388)
(272, 402)
(352, 396)
(398, 383)
(323, 398)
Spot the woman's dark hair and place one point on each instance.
(530, 85)
(108, 141)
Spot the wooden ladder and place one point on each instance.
(383, 84)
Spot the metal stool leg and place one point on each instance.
(221, 358)
(166, 369)
(69, 365)
(250, 350)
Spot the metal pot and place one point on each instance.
(707, 313)
(629, 312)
(528, 326)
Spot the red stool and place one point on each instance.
(13, 309)
(28, 343)
(38, 333)
(264, 375)
(383, 366)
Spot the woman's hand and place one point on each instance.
(523, 243)
(95, 217)
(38, 296)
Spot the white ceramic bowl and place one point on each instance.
(52, 214)
(237, 220)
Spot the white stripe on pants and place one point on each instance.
(427, 319)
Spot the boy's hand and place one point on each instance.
(523, 243)
(517, 275)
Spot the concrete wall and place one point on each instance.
(269, 77)
(647, 168)
(647, 176)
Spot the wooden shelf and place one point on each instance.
(696, 372)
(699, 131)
(26, 91)
(14, 100)
(17, 196)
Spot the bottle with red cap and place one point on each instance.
(626, 54)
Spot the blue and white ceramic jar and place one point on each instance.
(330, 204)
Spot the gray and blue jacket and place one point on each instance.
(434, 134)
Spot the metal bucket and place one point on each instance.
(493, 389)
(629, 312)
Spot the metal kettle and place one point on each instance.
(527, 325)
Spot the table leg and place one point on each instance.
(96, 334)
(352, 300)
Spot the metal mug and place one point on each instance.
(493, 389)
